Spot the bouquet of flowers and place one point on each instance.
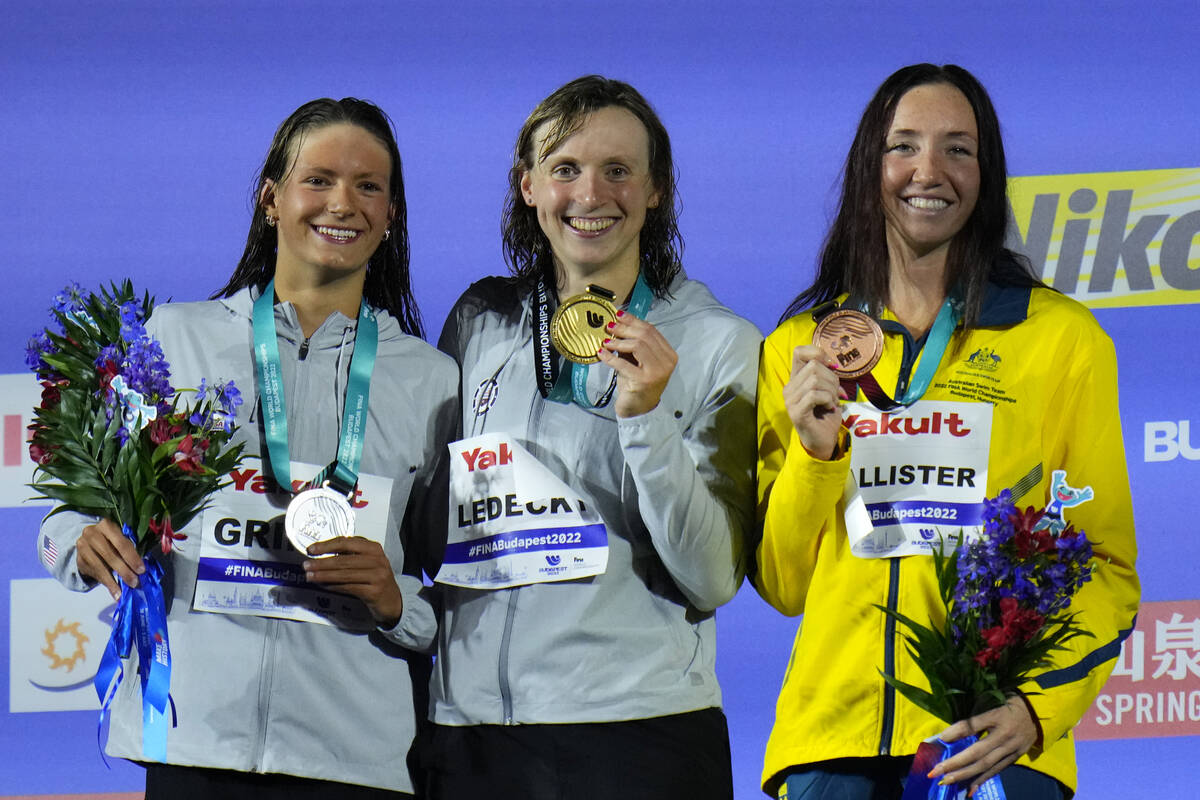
(112, 438)
(1006, 596)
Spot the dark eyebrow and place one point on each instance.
(325, 172)
(948, 134)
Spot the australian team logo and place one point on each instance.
(984, 359)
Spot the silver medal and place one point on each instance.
(315, 515)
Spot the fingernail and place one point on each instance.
(620, 313)
(606, 341)
(601, 351)
(305, 565)
(141, 569)
(842, 394)
(308, 576)
(115, 595)
(611, 325)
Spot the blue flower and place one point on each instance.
(39, 345)
(70, 300)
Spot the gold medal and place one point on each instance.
(852, 339)
(580, 325)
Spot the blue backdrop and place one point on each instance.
(133, 131)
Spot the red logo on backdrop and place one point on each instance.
(1154, 689)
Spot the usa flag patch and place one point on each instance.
(49, 551)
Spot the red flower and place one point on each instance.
(190, 455)
(51, 394)
(165, 533)
(163, 429)
(1017, 626)
(107, 372)
(1024, 521)
(39, 454)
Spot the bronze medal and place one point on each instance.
(580, 325)
(852, 339)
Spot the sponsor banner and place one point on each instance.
(19, 393)
(56, 639)
(1168, 440)
(1113, 238)
(1154, 689)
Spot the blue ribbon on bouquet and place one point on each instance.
(930, 754)
(140, 620)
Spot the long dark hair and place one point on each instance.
(388, 283)
(526, 249)
(854, 258)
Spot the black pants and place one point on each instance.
(170, 782)
(682, 755)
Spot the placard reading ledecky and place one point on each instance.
(513, 522)
(248, 566)
(917, 475)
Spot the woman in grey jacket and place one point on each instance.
(309, 674)
(577, 645)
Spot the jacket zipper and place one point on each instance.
(889, 657)
(505, 690)
(510, 615)
(264, 693)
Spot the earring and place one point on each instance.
(387, 234)
(270, 220)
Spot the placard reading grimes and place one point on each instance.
(248, 566)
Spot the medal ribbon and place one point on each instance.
(931, 357)
(553, 383)
(342, 473)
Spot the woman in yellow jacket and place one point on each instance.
(1000, 383)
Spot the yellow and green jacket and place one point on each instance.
(1049, 372)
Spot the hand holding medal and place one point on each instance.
(587, 328)
(360, 569)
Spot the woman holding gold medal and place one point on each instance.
(975, 378)
(295, 671)
(603, 494)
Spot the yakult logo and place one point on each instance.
(482, 459)
(1167, 441)
(254, 480)
(1115, 238)
(936, 423)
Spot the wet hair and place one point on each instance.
(388, 283)
(526, 248)
(854, 258)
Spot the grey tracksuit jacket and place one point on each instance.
(270, 695)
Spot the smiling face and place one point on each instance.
(591, 194)
(930, 170)
(332, 205)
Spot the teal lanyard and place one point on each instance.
(932, 353)
(342, 474)
(639, 305)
